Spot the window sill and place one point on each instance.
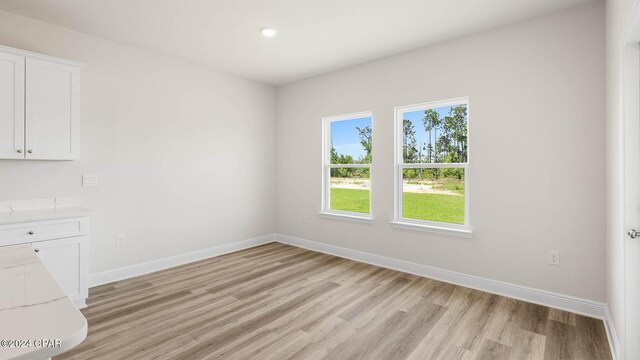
(346, 217)
(443, 230)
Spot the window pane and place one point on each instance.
(436, 135)
(351, 141)
(350, 189)
(433, 195)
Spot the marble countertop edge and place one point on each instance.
(30, 215)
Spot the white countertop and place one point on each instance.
(27, 215)
(34, 307)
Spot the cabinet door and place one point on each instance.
(64, 259)
(11, 106)
(52, 122)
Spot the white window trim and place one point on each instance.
(346, 216)
(326, 211)
(463, 230)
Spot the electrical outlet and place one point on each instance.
(119, 240)
(554, 258)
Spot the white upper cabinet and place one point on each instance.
(11, 106)
(52, 126)
(43, 121)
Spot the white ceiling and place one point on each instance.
(314, 36)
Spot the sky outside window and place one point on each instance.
(345, 138)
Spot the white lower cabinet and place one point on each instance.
(63, 247)
(65, 260)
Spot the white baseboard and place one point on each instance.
(559, 301)
(612, 335)
(126, 272)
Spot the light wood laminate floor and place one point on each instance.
(281, 302)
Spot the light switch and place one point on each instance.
(89, 180)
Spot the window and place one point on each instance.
(346, 168)
(432, 167)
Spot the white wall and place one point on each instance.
(537, 105)
(184, 155)
(618, 14)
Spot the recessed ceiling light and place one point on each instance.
(268, 32)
